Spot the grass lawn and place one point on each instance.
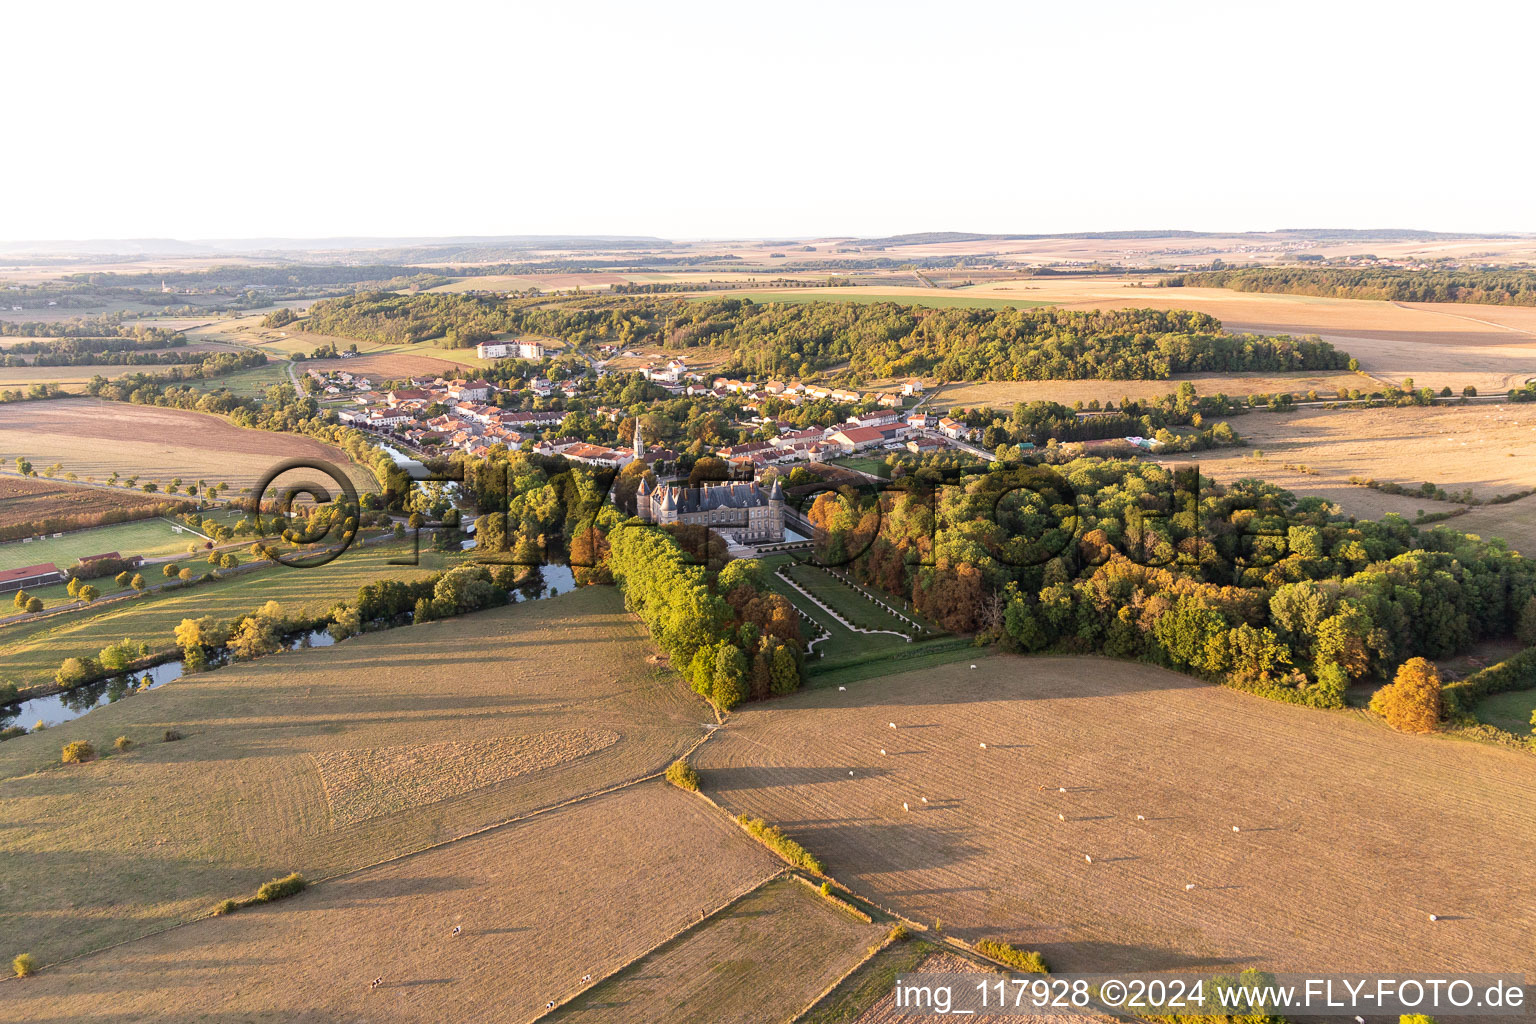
(864, 464)
(847, 656)
(1511, 711)
(31, 651)
(250, 383)
(938, 300)
(847, 601)
(147, 537)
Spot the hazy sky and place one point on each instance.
(730, 119)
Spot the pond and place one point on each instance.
(551, 581)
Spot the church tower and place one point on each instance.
(639, 442)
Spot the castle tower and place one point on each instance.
(776, 511)
(668, 513)
(643, 501)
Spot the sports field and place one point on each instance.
(329, 759)
(32, 650)
(150, 538)
(1308, 838)
(539, 905)
(762, 958)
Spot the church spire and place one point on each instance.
(639, 442)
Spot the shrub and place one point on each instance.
(774, 838)
(78, 752)
(281, 888)
(123, 744)
(34, 604)
(1411, 702)
(169, 570)
(171, 735)
(12, 732)
(226, 907)
(1018, 959)
(23, 965)
(75, 671)
(899, 933)
(683, 775)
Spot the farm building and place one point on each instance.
(30, 576)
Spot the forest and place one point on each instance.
(1242, 584)
(875, 340)
(1505, 286)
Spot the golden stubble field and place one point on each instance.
(761, 959)
(1489, 447)
(1351, 835)
(326, 760)
(541, 903)
(1002, 395)
(94, 438)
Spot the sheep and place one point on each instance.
(973, 666)
(1434, 917)
(1141, 817)
(983, 746)
(1061, 789)
(1061, 817)
(850, 772)
(840, 689)
(925, 799)
(882, 751)
(893, 725)
(1087, 858)
(1190, 886)
(1236, 829)
(904, 806)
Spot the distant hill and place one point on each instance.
(1315, 234)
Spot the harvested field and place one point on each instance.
(29, 499)
(1003, 395)
(765, 957)
(1351, 835)
(279, 768)
(94, 438)
(541, 903)
(382, 366)
(1489, 448)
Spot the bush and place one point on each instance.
(1018, 959)
(683, 775)
(774, 838)
(281, 888)
(898, 933)
(78, 752)
(171, 735)
(1411, 702)
(226, 907)
(23, 965)
(34, 604)
(75, 671)
(123, 744)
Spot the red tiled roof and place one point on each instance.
(27, 572)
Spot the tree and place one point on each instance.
(229, 561)
(73, 586)
(169, 570)
(122, 578)
(21, 599)
(730, 681)
(184, 574)
(116, 657)
(1525, 628)
(137, 583)
(1412, 701)
(88, 593)
(34, 604)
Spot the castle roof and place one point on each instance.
(713, 496)
(777, 492)
(645, 487)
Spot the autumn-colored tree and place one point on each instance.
(1411, 702)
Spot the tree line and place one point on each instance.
(1245, 584)
(875, 339)
(1505, 286)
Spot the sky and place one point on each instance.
(754, 119)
